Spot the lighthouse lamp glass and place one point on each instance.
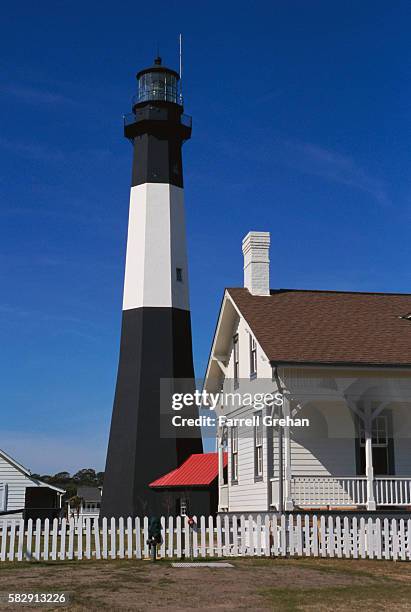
(157, 85)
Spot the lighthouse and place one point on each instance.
(156, 340)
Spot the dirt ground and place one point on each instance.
(256, 584)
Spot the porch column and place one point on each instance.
(220, 459)
(221, 438)
(369, 468)
(288, 501)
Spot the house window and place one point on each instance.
(236, 358)
(179, 275)
(253, 357)
(183, 506)
(234, 454)
(273, 447)
(381, 444)
(379, 432)
(258, 447)
(225, 470)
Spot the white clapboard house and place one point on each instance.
(339, 360)
(90, 503)
(22, 495)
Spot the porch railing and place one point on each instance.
(326, 491)
(344, 491)
(392, 491)
(90, 510)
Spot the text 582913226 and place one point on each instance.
(34, 598)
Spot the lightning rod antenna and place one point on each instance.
(180, 38)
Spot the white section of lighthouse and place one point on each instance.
(156, 261)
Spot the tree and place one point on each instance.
(71, 490)
(85, 476)
(75, 503)
(44, 477)
(64, 480)
(100, 478)
(61, 477)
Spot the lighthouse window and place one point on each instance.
(157, 85)
(179, 274)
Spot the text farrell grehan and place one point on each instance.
(253, 421)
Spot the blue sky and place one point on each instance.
(301, 127)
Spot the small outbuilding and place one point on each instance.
(24, 496)
(192, 488)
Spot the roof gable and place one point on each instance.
(14, 463)
(27, 472)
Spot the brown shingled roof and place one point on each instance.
(330, 327)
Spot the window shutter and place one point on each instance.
(3, 497)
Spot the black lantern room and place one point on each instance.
(159, 84)
(157, 108)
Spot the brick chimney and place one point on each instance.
(256, 246)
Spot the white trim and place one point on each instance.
(48, 486)
(13, 462)
(227, 298)
(221, 365)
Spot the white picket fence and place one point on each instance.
(225, 536)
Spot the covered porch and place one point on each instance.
(363, 451)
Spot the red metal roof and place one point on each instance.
(198, 470)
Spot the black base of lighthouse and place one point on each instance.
(155, 344)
